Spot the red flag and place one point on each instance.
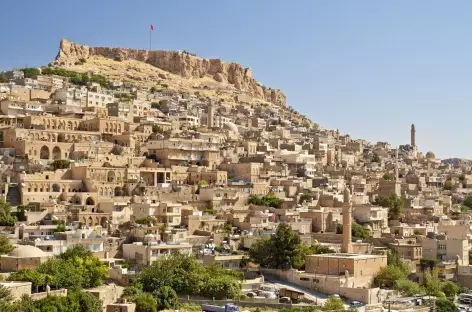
(152, 27)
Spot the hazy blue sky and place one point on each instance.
(369, 68)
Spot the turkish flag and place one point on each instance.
(152, 27)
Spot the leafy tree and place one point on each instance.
(166, 298)
(432, 284)
(444, 305)
(186, 276)
(74, 269)
(393, 203)
(387, 276)
(5, 244)
(357, 230)
(448, 186)
(269, 200)
(5, 294)
(157, 129)
(375, 158)
(305, 197)
(468, 201)
(283, 250)
(6, 218)
(61, 228)
(3, 78)
(146, 303)
(333, 304)
(202, 182)
(31, 72)
(428, 263)
(75, 251)
(450, 289)
(407, 287)
(388, 177)
(155, 105)
(60, 164)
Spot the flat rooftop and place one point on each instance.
(347, 256)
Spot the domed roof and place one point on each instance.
(430, 155)
(231, 127)
(27, 251)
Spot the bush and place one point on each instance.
(268, 200)
(61, 164)
(166, 298)
(146, 303)
(31, 72)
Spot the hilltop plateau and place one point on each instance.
(180, 70)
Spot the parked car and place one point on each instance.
(285, 300)
(356, 304)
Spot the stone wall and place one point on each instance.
(178, 63)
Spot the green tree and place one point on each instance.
(166, 298)
(450, 289)
(6, 218)
(283, 250)
(5, 244)
(357, 230)
(202, 182)
(5, 294)
(428, 264)
(186, 276)
(155, 105)
(407, 287)
(387, 276)
(388, 177)
(3, 78)
(444, 305)
(468, 201)
(305, 197)
(146, 303)
(448, 185)
(393, 203)
(60, 164)
(31, 72)
(333, 304)
(269, 200)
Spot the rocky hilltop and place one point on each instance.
(178, 63)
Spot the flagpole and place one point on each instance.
(150, 38)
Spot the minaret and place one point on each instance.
(396, 165)
(211, 115)
(347, 219)
(413, 136)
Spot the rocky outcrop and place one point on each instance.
(179, 63)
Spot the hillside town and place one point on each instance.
(154, 191)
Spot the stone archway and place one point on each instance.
(56, 188)
(89, 201)
(103, 221)
(56, 153)
(61, 138)
(111, 177)
(44, 152)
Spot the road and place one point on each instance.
(310, 294)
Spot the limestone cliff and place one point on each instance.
(179, 63)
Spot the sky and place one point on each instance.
(368, 68)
